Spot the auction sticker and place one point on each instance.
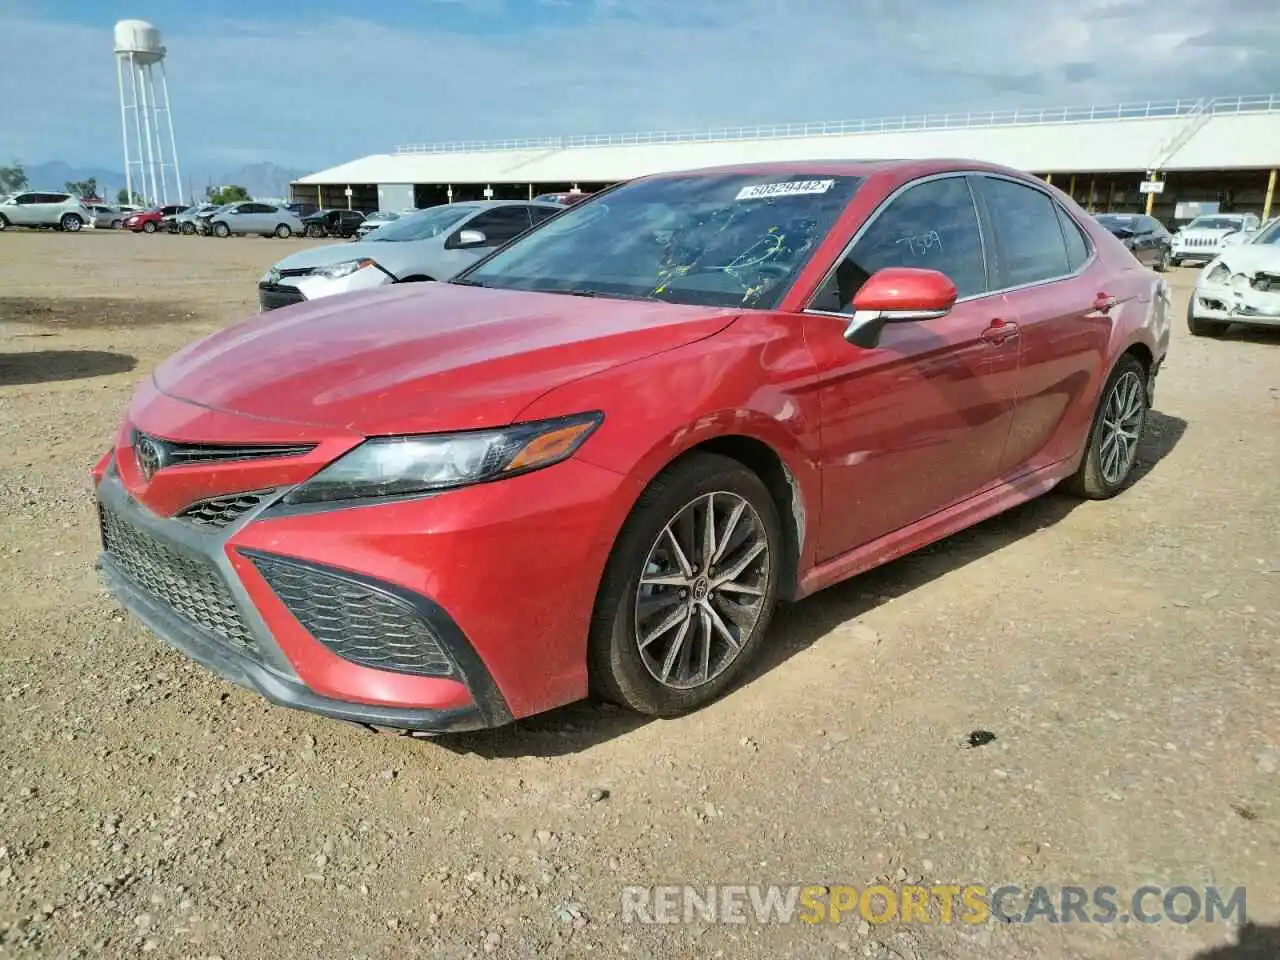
(792, 188)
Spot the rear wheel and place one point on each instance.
(689, 588)
(315, 231)
(1118, 426)
(149, 227)
(71, 222)
(284, 231)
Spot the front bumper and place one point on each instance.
(1197, 254)
(288, 290)
(1226, 304)
(194, 620)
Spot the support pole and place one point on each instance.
(1048, 178)
(173, 137)
(1271, 192)
(124, 132)
(1071, 190)
(1151, 197)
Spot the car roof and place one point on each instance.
(851, 168)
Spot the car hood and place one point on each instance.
(390, 254)
(1250, 257)
(418, 358)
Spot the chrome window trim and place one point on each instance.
(982, 215)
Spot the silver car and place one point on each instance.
(36, 209)
(250, 217)
(431, 244)
(379, 218)
(188, 221)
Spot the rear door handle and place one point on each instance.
(999, 331)
(1104, 302)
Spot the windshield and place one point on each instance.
(1116, 222)
(422, 225)
(723, 240)
(1271, 234)
(1216, 223)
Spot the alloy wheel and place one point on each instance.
(1121, 428)
(702, 590)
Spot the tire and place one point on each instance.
(187, 229)
(1201, 327)
(117, 224)
(314, 232)
(284, 231)
(1162, 262)
(1125, 394)
(221, 230)
(149, 227)
(4, 223)
(71, 223)
(618, 670)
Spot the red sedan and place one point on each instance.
(149, 221)
(594, 460)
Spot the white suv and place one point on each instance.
(59, 210)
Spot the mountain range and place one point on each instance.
(260, 179)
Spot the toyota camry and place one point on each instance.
(594, 461)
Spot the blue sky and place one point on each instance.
(312, 84)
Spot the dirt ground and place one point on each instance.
(1122, 653)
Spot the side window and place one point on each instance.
(52, 198)
(264, 208)
(1031, 243)
(538, 214)
(932, 225)
(1077, 245)
(501, 224)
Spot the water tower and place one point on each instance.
(145, 114)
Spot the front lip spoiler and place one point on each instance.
(269, 684)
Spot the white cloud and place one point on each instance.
(311, 92)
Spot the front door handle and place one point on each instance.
(1000, 331)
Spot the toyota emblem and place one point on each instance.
(149, 455)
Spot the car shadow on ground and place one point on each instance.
(1254, 942)
(50, 366)
(796, 627)
(1252, 335)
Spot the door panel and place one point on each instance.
(913, 426)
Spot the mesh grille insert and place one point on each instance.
(356, 622)
(218, 512)
(191, 587)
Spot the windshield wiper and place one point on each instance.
(598, 293)
(467, 283)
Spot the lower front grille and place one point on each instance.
(273, 296)
(357, 622)
(191, 587)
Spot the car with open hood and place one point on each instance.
(431, 244)
(1241, 286)
(595, 459)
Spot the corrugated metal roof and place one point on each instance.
(1220, 133)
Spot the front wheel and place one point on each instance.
(284, 231)
(71, 223)
(1118, 425)
(689, 588)
(314, 232)
(149, 227)
(1163, 262)
(188, 229)
(221, 230)
(4, 223)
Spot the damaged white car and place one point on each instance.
(1205, 237)
(1240, 286)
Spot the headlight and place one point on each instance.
(1240, 283)
(401, 466)
(336, 271)
(1217, 272)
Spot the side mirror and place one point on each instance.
(471, 238)
(898, 295)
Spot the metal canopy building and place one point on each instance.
(1223, 150)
